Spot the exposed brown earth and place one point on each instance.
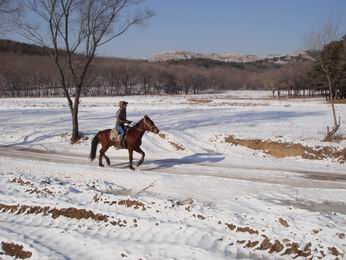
(334, 251)
(340, 101)
(247, 230)
(43, 191)
(281, 150)
(285, 247)
(72, 213)
(231, 226)
(20, 181)
(175, 145)
(272, 246)
(132, 203)
(12, 249)
(283, 222)
(200, 100)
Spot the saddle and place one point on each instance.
(115, 137)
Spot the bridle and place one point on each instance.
(147, 125)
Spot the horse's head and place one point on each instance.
(149, 125)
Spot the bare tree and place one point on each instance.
(7, 8)
(317, 41)
(71, 31)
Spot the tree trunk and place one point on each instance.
(75, 130)
(332, 100)
(330, 133)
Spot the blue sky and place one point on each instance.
(235, 26)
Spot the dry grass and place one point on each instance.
(281, 150)
(338, 138)
(339, 101)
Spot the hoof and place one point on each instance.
(108, 163)
(101, 165)
(139, 164)
(131, 168)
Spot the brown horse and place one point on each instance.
(133, 141)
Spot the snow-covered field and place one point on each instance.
(208, 200)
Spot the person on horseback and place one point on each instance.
(121, 121)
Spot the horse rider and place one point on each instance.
(121, 121)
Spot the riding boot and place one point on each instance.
(121, 143)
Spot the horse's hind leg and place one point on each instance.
(106, 157)
(100, 158)
(139, 150)
(102, 154)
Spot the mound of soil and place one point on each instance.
(15, 250)
(281, 150)
(72, 213)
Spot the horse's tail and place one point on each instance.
(94, 144)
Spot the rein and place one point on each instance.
(145, 122)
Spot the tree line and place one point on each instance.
(26, 70)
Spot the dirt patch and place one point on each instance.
(338, 138)
(77, 214)
(44, 191)
(281, 150)
(200, 101)
(230, 226)
(175, 145)
(334, 251)
(15, 250)
(19, 181)
(276, 247)
(130, 204)
(72, 213)
(163, 136)
(283, 222)
(251, 244)
(339, 101)
(247, 230)
(284, 246)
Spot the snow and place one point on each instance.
(189, 195)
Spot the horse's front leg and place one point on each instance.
(139, 150)
(130, 159)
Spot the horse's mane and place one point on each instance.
(136, 125)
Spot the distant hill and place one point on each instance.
(21, 48)
(230, 60)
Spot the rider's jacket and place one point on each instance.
(121, 117)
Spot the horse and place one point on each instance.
(132, 141)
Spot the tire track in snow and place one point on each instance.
(274, 175)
